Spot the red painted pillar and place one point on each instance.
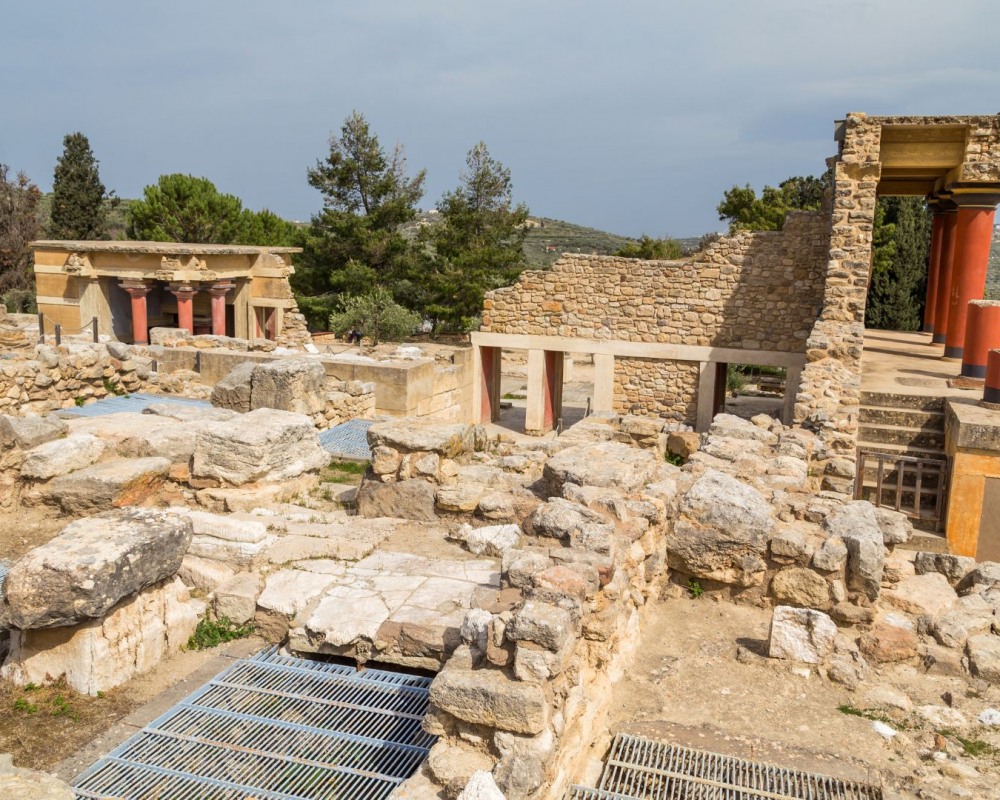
(945, 269)
(553, 388)
(489, 359)
(140, 324)
(933, 265)
(982, 334)
(218, 292)
(185, 306)
(973, 233)
(991, 387)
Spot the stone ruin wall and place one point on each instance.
(757, 290)
(829, 396)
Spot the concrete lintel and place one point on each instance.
(616, 347)
(706, 396)
(604, 383)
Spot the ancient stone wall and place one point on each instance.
(648, 386)
(828, 400)
(755, 290)
(294, 333)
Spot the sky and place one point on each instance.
(632, 117)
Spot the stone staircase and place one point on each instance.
(905, 425)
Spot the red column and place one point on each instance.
(982, 334)
(973, 233)
(185, 306)
(489, 358)
(218, 292)
(934, 264)
(140, 325)
(945, 270)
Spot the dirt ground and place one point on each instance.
(700, 679)
(25, 528)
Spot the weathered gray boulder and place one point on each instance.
(27, 784)
(801, 634)
(488, 697)
(723, 532)
(954, 568)
(970, 616)
(183, 412)
(61, 456)
(857, 525)
(574, 524)
(544, 624)
(605, 464)
(445, 439)
(289, 384)
(832, 556)
(984, 577)
(412, 499)
(233, 391)
(92, 565)
(265, 444)
(109, 484)
(895, 526)
(984, 657)
(28, 432)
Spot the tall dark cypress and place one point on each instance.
(78, 196)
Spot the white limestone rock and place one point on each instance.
(93, 564)
(61, 456)
(29, 784)
(801, 634)
(481, 786)
(107, 484)
(28, 432)
(289, 384)
(263, 445)
(493, 540)
(447, 440)
(929, 594)
(857, 525)
(231, 540)
(605, 464)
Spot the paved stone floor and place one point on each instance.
(899, 362)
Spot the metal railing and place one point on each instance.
(917, 487)
(58, 330)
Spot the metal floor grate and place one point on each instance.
(349, 439)
(649, 770)
(129, 402)
(275, 727)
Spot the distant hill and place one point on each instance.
(547, 239)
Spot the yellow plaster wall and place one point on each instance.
(969, 470)
(55, 285)
(277, 288)
(65, 315)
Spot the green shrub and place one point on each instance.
(213, 632)
(376, 315)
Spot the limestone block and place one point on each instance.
(929, 594)
(28, 784)
(108, 484)
(489, 697)
(232, 541)
(460, 497)
(289, 384)
(385, 460)
(605, 464)
(544, 624)
(204, 573)
(970, 616)
(291, 591)
(481, 786)
(954, 568)
(236, 600)
(493, 540)
(409, 499)
(447, 440)
(92, 565)
(857, 525)
(832, 556)
(233, 391)
(801, 634)
(801, 587)
(887, 643)
(265, 444)
(454, 763)
(569, 522)
(61, 456)
(98, 655)
(895, 526)
(29, 431)
(721, 501)
(984, 657)
(683, 444)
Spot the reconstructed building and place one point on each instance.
(130, 287)
(663, 332)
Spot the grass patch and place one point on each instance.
(977, 748)
(695, 589)
(344, 472)
(873, 715)
(213, 632)
(674, 458)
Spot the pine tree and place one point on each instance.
(900, 247)
(183, 208)
(79, 199)
(479, 242)
(356, 241)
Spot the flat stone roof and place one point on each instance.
(165, 248)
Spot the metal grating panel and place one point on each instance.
(275, 727)
(129, 402)
(349, 439)
(648, 770)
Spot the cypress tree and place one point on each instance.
(899, 264)
(78, 196)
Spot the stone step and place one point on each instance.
(902, 417)
(909, 437)
(902, 450)
(916, 402)
(925, 541)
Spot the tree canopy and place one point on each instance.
(744, 210)
(478, 243)
(19, 226)
(647, 247)
(183, 208)
(79, 199)
(900, 248)
(356, 241)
